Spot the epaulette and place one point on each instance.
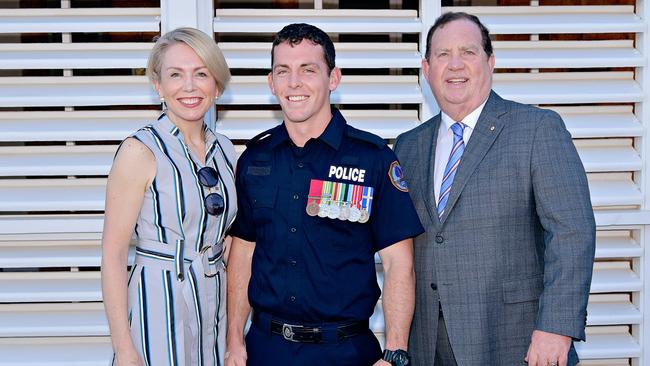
(366, 136)
(259, 137)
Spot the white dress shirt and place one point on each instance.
(446, 140)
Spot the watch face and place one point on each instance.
(401, 359)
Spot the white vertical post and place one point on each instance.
(197, 14)
(642, 265)
(430, 10)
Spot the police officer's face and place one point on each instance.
(458, 69)
(186, 84)
(301, 82)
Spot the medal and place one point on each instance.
(323, 209)
(315, 195)
(364, 216)
(333, 211)
(335, 205)
(355, 214)
(345, 212)
(312, 208)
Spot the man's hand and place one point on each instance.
(236, 356)
(381, 363)
(548, 349)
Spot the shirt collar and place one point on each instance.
(469, 121)
(333, 134)
(210, 137)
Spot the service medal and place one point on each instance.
(364, 217)
(355, 214)
(312, 208)
(334, 211)
(323, 209)
(345, 212)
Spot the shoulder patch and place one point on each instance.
(366, 136)
(396, 176)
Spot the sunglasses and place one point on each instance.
(209, 178)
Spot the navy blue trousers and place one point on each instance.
(265, 348)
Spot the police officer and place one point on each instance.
(317, 198)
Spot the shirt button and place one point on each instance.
(296, 196)
(293, 263)
(293, 230)
(439, 238)
(301, 165)
(292, 298)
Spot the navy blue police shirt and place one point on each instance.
(317, 215)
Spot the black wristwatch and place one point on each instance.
(397, 358)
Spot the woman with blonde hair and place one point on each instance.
(172, 184)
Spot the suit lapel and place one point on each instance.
(487, 129)
(427, 148)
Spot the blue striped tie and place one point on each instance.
(452, 165)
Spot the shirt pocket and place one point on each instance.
(263, 203)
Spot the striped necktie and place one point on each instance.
(452, 165)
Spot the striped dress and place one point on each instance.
(176, 291)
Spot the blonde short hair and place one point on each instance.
(201, 43)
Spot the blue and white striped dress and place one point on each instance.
(176, 293)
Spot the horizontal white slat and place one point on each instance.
(255, 55)
(49, 286)
(76, 91)
(573, 54)
(52, 194)
(596, 155)
(608, 155)
(569, 87)
(116, 125)
(616, 217)
(614, 277)
(385, 123)
(68, 253)
(74, 55)
(53, 320)
(73, 125)
(52, 253)
(60, 351)
(32, 20)
(556, 19)
(600, 121)
(608, 342)
(56, 160)
(329, 20)
(613, 189)
(542, 88)
(87, 194)
(50, 227)
(616, 244)
(612, 309)
(135, 90)
(605, 362)
(238, 55)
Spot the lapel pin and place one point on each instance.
(492, 128)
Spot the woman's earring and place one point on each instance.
(162, 102)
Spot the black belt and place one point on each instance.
(326, 333)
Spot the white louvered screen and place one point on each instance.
(67, 93)
(65, 102)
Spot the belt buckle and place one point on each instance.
(288, 333)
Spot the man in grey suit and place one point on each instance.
(504, 267)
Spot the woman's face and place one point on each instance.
(186, 84)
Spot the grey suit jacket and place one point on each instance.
(514, 251)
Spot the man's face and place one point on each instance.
(301, 82)
(458, 69)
